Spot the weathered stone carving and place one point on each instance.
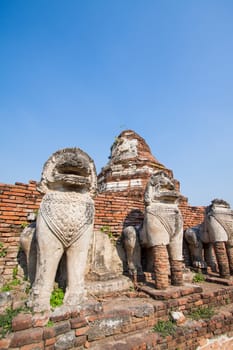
(130, 165)
(28, 245)
(200, 249)
(64, 224)
(163, 229)
(215, 234)
(132, 249)
(219, 231)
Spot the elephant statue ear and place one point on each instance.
(69, 166)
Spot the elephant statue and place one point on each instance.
(219, 231)
(200, 249)
(162, 230)
(64, 224)
(132, 249)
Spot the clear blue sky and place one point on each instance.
(76, 73)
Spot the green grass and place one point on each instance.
(202, 313)
(107, 229)
(198, 277)
(6, 320)
(165, 328)
(3, 250)
(57, 297)
(14, 282)
(50, 324)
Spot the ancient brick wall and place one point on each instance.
(16, 202)
(192, 216)
(114, 210)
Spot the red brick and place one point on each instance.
(78, 322)
(25, 337)
(50, 341)
(21, 321)
(35, 346)
(49, 333)
(5, 343)
(81, 331)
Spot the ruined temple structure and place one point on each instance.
(128, 170)
(122, 183)
(116, 315)
(118, 203)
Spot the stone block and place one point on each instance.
(106, 327)
(60, 314)
(62, 327)
(65, 341)
(142, 310)
(5, 300)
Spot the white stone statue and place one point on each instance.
(219, 231)
(162, 231)
(200, 248)
(64, 224)
(215, 234)
(132, 249)
(163, 228)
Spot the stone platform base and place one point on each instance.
(126, 321)
(170, 292)
(219, 280)
(101, 288)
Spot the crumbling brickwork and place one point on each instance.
(120, 201)
(112, 210)
(127, 321)
(16, 202)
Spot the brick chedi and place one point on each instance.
(130, 165)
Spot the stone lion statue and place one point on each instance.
(64, 224)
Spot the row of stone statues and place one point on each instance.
(210, 244)
(65, 224)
